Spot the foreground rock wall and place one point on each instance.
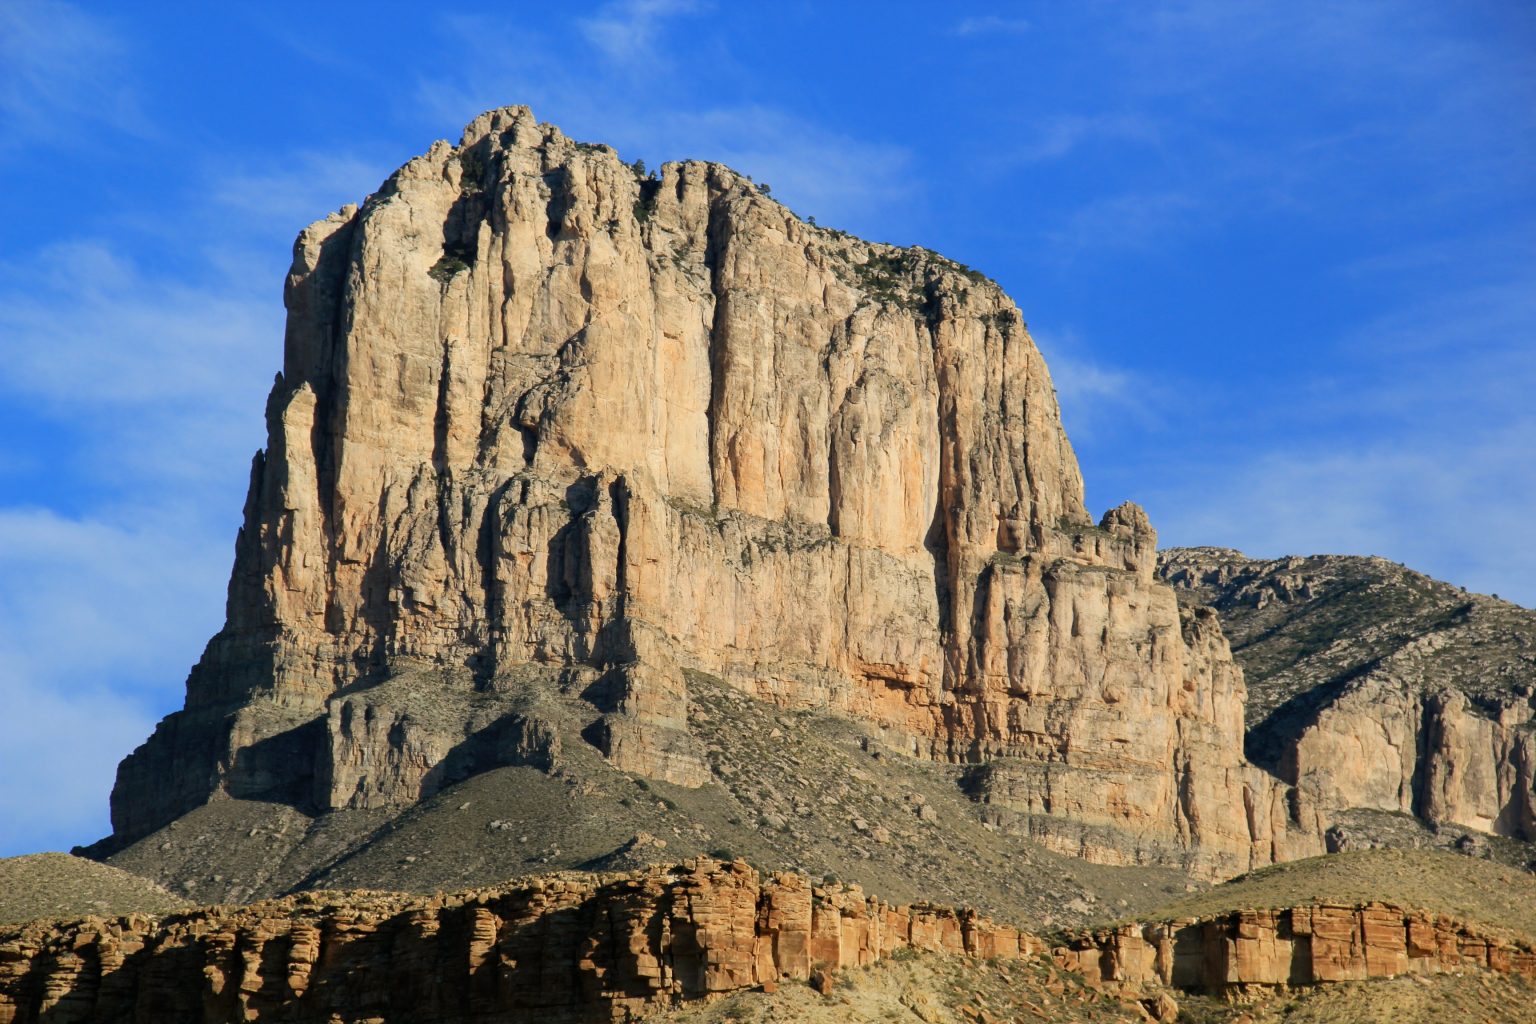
(578, 949)
(612, 948)
(1290, 947)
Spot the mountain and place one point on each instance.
(1375, 688)
(557, 447)
(638, 576)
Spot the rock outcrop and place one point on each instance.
(1289, 948)
(1379, 688)
(545, 423)
(565, 948)
(613, 948)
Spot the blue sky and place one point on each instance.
(1281, 258)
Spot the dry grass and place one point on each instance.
(1474, 998)
(56, 885)
(1480, 891)
(928, 987)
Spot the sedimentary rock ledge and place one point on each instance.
(1290, 947)
(578, 948)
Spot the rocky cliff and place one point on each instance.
(1290, 948)
(1373, 686)
(549, 427)
(564, 948)
(617, 947)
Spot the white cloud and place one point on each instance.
(1097, 399)
(66, 746)
(1054, 137)
(625, 31)
(113, 592)
(1454, 506)
(100, 618)
(990, 25)
(61, 68)
(299, 189)
(1420, 446)
(154, 389)
(163, 378)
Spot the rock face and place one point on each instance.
(1289, 948)
(573, 948)
(613, 948)
(543, 423)
(1379, 688)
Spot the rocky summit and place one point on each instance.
(636, 575)
(553, 433)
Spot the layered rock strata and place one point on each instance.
(561, 949)
(543, 422)
(1378, 687)
(614, 948)
(1288, 948)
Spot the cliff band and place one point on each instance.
(613, 948)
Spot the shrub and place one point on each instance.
(444, 269)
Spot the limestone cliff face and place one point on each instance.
(1381, 688)
(544, 423)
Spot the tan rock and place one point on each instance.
(580, 948)
(539, 415)
(1380, 688)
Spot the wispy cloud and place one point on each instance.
(1456, 506)
(990, 25)
(93, 648)
(61, 68)
(65, 745)
(1098, 400)
(1126, 221)
(166, 378)
(299, 189)
(129, 578)
(625, 31)
(152, 389)
(1055, 136)
(1419, 445)
(812, 168)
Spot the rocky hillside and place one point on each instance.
(789, 790)
(554, 441)
(1374, 687)
(56, 885)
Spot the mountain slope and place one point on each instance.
(1372, 686)
(56, 885)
